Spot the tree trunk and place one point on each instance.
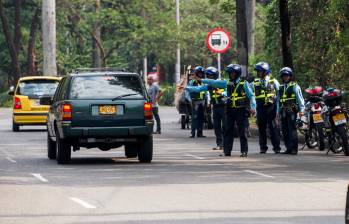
(241, 27)
(31, 58)
(250, 15)
(11, 46)
(285, 33)
(17, 25)
(96, 51)
(49, 37)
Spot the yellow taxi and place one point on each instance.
(26, 100)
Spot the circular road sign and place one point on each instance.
(218, 41)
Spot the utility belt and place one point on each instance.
(289, 108)
(196, 101)
(241, 102)
(219, 105)
(263, 104)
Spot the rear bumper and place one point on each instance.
(30, 118)
(105, 132)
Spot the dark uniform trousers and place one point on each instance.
(157, 118)
(219, 123)
(234, 116)
(197, 117)
(266, 119)
(289, 130)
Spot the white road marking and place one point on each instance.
(11, 160)
(21, 144)
(39, 177)
(196, 157)
(82, 203)
(7, 153)
(258, 173)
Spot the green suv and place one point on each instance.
(100, 109)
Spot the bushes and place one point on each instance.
(169, 92)
(5, 100)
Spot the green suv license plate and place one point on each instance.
(107, 110)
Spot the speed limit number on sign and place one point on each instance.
(218, 41)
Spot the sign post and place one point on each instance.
(219, 64)
(218, 41)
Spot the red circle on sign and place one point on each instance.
(215, 50)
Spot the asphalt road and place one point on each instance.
(187, 182)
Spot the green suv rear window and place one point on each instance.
(106, 87)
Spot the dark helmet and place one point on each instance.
(286, 71)
(212, 73)
(262, 67)
(199, 71)
(234, 68)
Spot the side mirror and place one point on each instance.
(46, 100)
(11, 92)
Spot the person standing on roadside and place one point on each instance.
(291, 102)
(218, 105)
(266, 89)
(197, 100)
(155, 94)
(240, 104)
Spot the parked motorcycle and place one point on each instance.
(314, 135)
(336, 121)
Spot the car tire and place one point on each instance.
(15, 127)
(63, 150)
(51, 148)
(145, 150)
(131, 150)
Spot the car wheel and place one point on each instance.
(131, 150)
(15, 127)
(51, 147)
(63, 150)
(145, 150)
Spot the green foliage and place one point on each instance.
(198, 18)
(169, 94)
(5, 100)
(133, 29)
(320, 39)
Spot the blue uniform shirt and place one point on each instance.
(194, 89)
(222, 84)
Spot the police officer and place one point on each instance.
(266, 90)
(240, 98)
(291, 102)
(216, 100)
(197, 100)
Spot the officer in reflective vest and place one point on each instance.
(266, 89)
(216, 100)
(240, 99)
(291, 102)
(197, 100)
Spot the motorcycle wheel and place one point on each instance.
(336, 145)
(321, 137)
(342, 133)
(311, 138)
